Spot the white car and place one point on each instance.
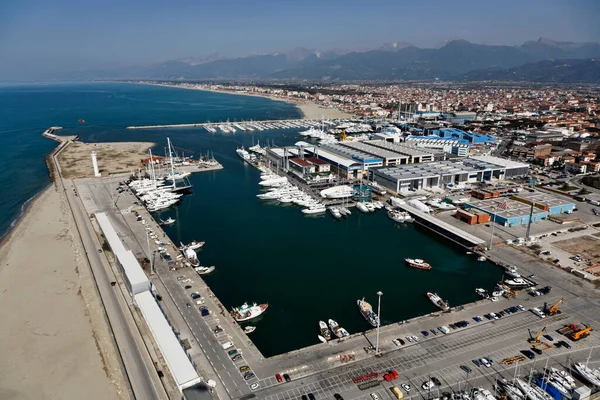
(409, 338)
(226, 345)
(493, 299)
(396, 342)
(428, 385)
(485, 362)
(416, 339)
(254, 386)
(375, 396)
(406, 387)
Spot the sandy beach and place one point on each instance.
(53, 338)
(114, 158)
(309, 109)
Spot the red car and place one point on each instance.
(278, 377)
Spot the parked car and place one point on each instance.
(565, 344)
(375, 396)
(402, 342)
(195, 295)
(278, 377)
(425, 333)
(550, 338)
(436, 381)
(249, 375)
(237, 357)
(287, 378)
(311, 396)
(528, 354)
(227, 345)
(537, 351)
(396, 342)
(337, 396)
(466, 369)
(427, 385)
(232, 352)
(188, 286)
(406, 387)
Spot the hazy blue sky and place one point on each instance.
(55, 35)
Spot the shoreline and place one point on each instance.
(308, 109)
(25, 207)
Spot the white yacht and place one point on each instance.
(512, 271)
(335, 212)
(532, 392)
(337, 192)
(362, 207)
(315, 209)
(274, 182)
(243, 153)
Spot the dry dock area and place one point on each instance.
(325, 369)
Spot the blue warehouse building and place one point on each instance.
(468, 137)
(515, 211)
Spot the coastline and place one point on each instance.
(308, 109)
(67, 323)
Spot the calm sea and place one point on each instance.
(307, 268)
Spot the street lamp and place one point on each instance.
(378, 321)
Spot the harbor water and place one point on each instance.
(307, 268)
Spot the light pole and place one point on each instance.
(493, 225)
(378, 321)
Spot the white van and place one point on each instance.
(226, 345)
(444, 329)
(538, 312)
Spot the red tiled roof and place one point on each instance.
(316, 161)
(300, 162)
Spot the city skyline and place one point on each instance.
(38, 37)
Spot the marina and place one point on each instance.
(271, 250)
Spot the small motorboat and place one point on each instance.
(481, 258)
(322, 339)
(169, 221)
(195, 245)
(204, 270)
(249, 329)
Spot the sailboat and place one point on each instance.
(185, 184)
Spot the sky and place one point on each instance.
(53, 36)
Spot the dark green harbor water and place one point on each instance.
(307, 268)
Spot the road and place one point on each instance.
(140, 371)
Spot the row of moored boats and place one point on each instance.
(549, 384)
(249, 126)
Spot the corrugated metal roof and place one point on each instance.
(181, 367)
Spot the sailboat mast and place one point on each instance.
(171, 159)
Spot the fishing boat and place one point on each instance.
(437, 300)
(335, 212)
(322, 339)
(246, 312)
(315, 209)
(249, 329)
(336, 329)
(481, 258)
(325, 332)
(482, 292)
(367, 312)
(343, 332)
(417, 263)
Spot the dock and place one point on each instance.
(440, 227)
(231, 127)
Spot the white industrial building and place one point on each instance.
(181, 368)
(447, 146)
(139, 287)
(442, 174)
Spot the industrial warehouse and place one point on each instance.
(448, 174)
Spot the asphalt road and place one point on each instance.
(139, 368)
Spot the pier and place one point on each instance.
(231, 127)
(448, 231)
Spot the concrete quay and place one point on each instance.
(324, 369)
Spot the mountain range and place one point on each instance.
(542, 60)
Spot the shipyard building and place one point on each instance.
(516, 210)
(443, 174)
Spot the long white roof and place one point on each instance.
(181, 367)
(135, 273)
(110, 234)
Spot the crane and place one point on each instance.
(580, 334)
(554, 309)
(537, 338)
(342, 135)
